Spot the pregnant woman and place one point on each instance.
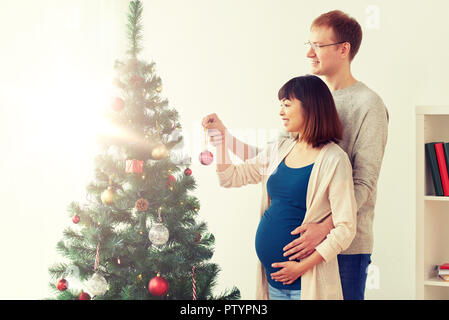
(304, 178)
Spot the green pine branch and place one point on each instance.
(134, 27)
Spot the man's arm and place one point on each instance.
(368, 153)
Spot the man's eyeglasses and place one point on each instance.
(316, 46)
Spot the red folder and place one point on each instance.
(443, 168)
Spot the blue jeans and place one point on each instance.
(280, 294)
(353, 272)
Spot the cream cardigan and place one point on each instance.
(330, 189)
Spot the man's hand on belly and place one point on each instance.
(312, 234)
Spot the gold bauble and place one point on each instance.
(159, 89)
(107, 197)
(159, 151)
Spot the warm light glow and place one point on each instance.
(70, 108)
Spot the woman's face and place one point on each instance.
(292, 115)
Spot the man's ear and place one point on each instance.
(345, 49)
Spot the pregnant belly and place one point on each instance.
(273, 234)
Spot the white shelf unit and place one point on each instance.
(432, 212)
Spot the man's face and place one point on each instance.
(325, 61)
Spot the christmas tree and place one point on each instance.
(136, 237)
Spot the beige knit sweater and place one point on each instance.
(330, 189)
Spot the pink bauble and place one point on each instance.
(206, 157)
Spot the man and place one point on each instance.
(334, 41)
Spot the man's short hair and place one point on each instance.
(345, 28)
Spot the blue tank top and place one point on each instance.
(287, 188)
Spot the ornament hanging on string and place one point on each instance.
(198, 238)
(108, 195)
(97, 284)
(158, 286)
(170, 180)
(158, 234)
(188, 172)
(62, 284)
(76, 218)
(160, 151)
(117, 104)
(206, 157)
(84, 296)
(136, 81)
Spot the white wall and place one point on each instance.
(228, 57)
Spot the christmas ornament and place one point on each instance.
(193, 283)
(170, 180)
(158, 234)
(136, 81)
(76, 219)
(107, 197)
(142, 204)
(198, 238)
(158, 286)
(97, 285)
(188, 172)
(206, 157)
(62, 284)
(84, 296)
(159, 89)
(118, 104)
(134, 166)
(159, 151)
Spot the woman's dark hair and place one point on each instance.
(322, 123)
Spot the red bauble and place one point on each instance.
(188, 172)
(136, 81)
(118, 104)
(198, 238)
(171, 179)
(76, 219)
(62, 285)
(84, 296)
(158, 286)
(206, 157)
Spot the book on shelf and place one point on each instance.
(442, 167)
(434, 168)
(445, 277)
(443, 271)
(446, 154)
